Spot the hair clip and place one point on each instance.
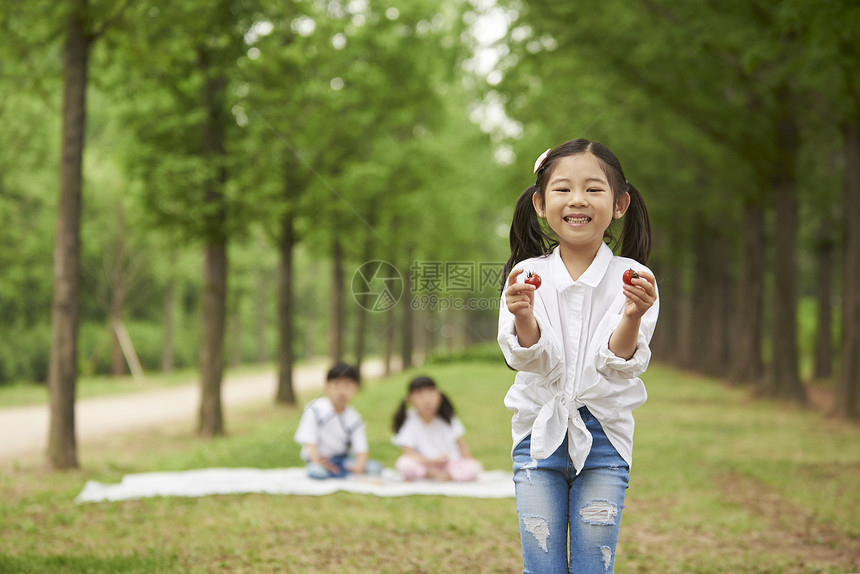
(540, 159)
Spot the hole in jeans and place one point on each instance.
(539, 528)
(528, 468)
(599, 513)
(607, 556)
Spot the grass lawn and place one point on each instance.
(721, 483)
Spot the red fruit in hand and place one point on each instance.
(533, 279)
(628, 276)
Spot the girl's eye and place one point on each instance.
(561, 189)
(594, 190)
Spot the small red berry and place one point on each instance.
(629, 275)
(533, 279)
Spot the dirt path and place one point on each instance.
(24, 430)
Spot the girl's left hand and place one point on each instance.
(640, 295)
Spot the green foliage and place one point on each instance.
(96, 340)
(25, 352)
(358, 120)
(27, 179)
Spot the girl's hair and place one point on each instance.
(529, 237)
(446, 409)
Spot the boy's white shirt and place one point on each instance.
(431, 440)
(331, 438)
(571, 365)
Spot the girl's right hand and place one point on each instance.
(519, 297)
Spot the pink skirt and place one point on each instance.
(460, 470)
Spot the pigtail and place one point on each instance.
(528, 237)
(446, 409)
(400, 417)
(636, 233)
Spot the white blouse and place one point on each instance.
(571, 365)
(431, 440)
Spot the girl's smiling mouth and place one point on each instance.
(577, 219)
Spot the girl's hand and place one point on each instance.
(640, 295)
(519, 297)
(438, 461)
(520, 300)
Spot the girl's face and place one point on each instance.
(578, 203)
(426, 402)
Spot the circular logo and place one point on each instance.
(377, 286)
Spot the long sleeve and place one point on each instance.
(542, 357)
(612, 366)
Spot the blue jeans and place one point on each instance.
(318, 471)
(552, 501)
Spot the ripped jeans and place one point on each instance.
(552, 500)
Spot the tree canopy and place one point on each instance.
(241, 159)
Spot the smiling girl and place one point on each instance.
(579, 343)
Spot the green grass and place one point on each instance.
(721, 483)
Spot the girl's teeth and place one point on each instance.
(576, 219)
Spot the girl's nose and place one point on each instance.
(577, 197)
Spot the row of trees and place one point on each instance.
(228, 167)
(332, 132)
(741, 123)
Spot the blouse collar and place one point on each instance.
(592, 276)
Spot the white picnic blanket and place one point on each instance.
(209, 481)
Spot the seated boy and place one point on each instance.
(330, 430)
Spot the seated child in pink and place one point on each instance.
(430, 437)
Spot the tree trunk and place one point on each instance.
(472, 327)
(235, 331)
(430, 330)
(785, 376)
(215, 267)
(708, 349)
(212, 338)
(407, 328)
(389, 340)
(666, 340)
(118, 284)
(702, 299)
(117, 358)
(285, 393)
(363, 313)
(849, 376)
(260, 312)
(824, 335)
(747, 362)
(336, 320)
(685, 351)
(719, 325)
(169, 312)
(62, 369)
